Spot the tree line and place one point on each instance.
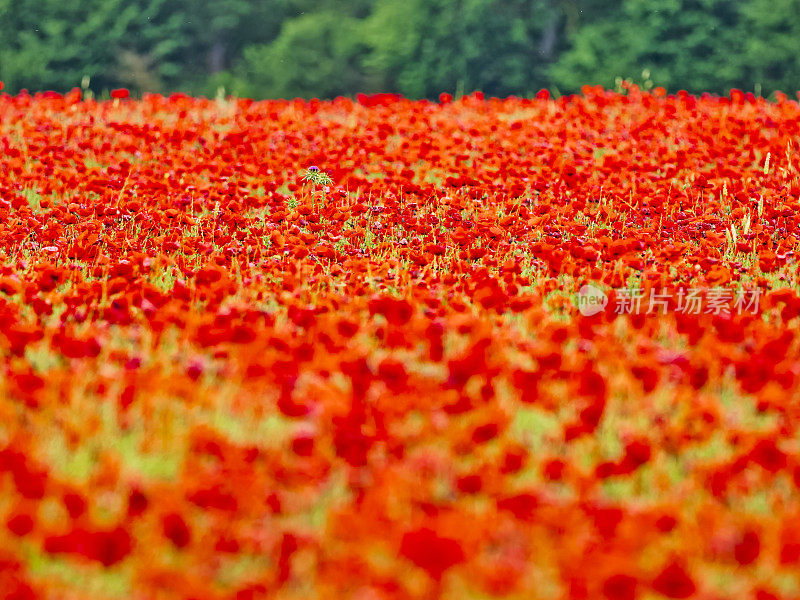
(418, 48)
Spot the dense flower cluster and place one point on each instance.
(296, 349)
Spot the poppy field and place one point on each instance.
(306, 349)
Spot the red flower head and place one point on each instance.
(620, 587)
(430, 552)
(674, 582)
(176, 530)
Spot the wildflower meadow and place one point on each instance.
(523, 348)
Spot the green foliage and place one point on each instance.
(153, 45)
(315, 55)
(42, 41)
(220, 31)
(417, 48)
(150, 46)
(697, 45)
(324, 48)
(423, 47)
(54, 44)
(770, 44)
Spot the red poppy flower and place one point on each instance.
(674, 582)
(432, 553)
(176, 530)
(620, 587)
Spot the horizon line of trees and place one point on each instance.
(418, 48)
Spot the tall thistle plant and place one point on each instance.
(317, 178)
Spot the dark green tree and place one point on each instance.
(697, 45)
(55, 44)
(324, 48)
(421, 48)
(219, 33)
(315, 55)
(418, 48)
(771, 54)
(151, 52)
